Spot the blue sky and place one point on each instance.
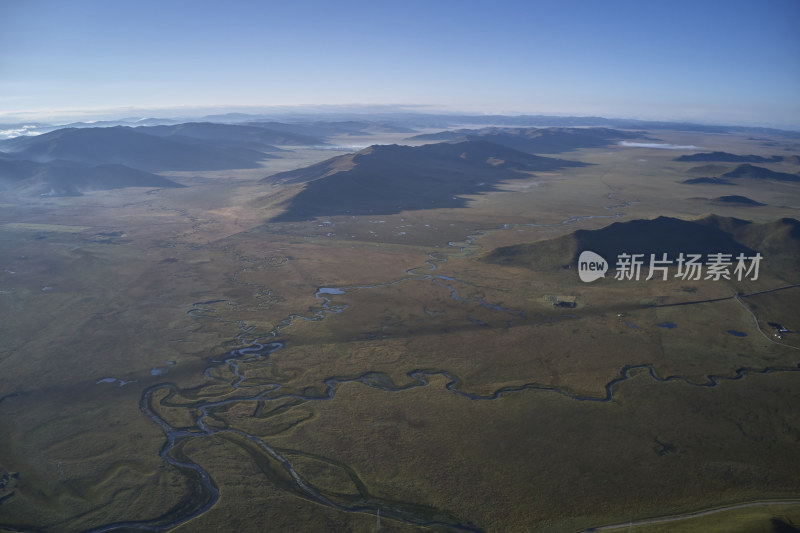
(706, 61)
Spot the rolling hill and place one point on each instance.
(385, 179)
(759, 173)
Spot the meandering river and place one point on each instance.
(206, 493)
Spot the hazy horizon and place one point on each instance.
(732, 63)
(61, 118)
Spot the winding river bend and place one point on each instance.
(206, 493)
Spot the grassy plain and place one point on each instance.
(109, 287)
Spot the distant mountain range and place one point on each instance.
(390, 178)
(70, 161)
(778, 242)
(537, 140)
(388, 118)
(418, 120)
(130, 147)
(133, 154)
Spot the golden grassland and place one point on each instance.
(118, 296)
